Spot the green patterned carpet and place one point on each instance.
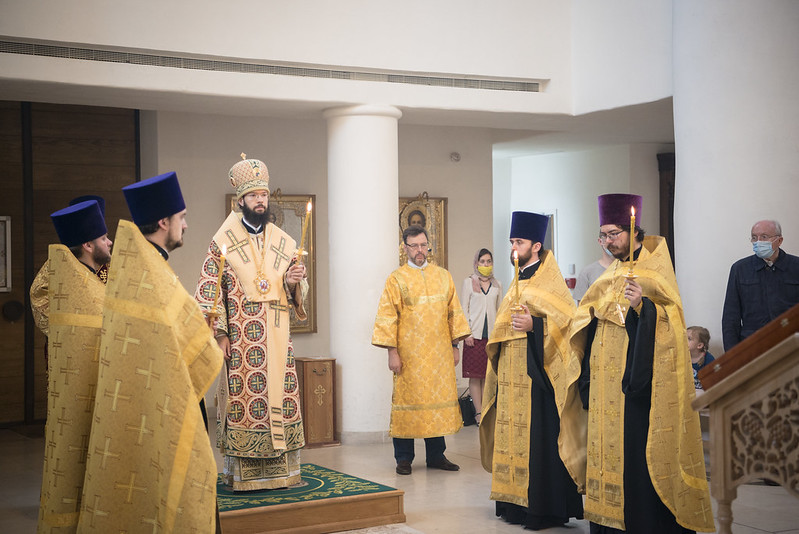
(317, 483)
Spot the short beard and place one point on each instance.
(171, 245)
(523, 259)
(255, 219)
(100, 257)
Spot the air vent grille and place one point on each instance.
(176, 62)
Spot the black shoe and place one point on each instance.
(404, 467)
(444, 464)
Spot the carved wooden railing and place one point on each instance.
(754, 425)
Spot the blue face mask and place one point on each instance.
(762, 249)
(609, 253)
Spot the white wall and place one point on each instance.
(568, 185)
(737, 141)
(621, 53)
(507, 38)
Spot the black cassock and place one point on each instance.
(552, 496)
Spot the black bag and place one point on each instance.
(467, 409)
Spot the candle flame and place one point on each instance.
(632, 211)
(224, 250)
(308, 207)
(515, 254)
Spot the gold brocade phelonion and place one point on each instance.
(219, 279)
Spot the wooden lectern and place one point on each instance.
(753, 398)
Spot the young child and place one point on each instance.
(698, 339)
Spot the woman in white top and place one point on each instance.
(481, 296)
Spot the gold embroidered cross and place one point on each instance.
(237, 246)
(125, 252)
(278, 308)
(141, 429)
(116, 396)
(58, 296)
(280, 253)
(95, 510)
(68, 370)
(140, 284)
(106, 452)
(126, 339)
(131, 487)
(148, 373)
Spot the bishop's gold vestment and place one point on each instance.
(259, 421)
(150, 466)
(419, 314)
(592, 442)
(75, 319)
(507, 408)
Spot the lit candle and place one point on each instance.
(308, 209)
(632, 236)
(219, 279)
(516, 277)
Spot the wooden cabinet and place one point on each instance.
(317, 377)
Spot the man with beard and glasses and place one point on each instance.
(149, 460)
(524, 383)
(420, 321)
(629, 436)
(260, 430)
(70, 313)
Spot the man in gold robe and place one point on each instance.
(628, 434)
(525, 379)
(259, 424)
(150, 465)
(73, 323)
(94, 255)
(420, 322)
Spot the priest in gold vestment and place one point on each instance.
(525, 380)
(150, 465)
(629, 436)
(73, 322)
(420, 321)
(259, 423)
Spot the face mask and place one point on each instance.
(485, 270)
(609, 253)
(762, 249)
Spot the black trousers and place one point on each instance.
(434, 449)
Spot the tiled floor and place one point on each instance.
(435, 501)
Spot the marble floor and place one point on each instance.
(435, 501)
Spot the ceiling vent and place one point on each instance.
(228, 65)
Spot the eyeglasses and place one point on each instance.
(257, 196)
(419, 246)
(610, 236)
(762, 237)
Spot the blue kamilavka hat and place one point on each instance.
(154, 199)
(84, 198)
(79, 223)
(526, 225)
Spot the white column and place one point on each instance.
(363, 194)
(737, 141)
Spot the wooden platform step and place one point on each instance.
(319, 516)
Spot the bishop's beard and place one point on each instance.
(255, 219)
